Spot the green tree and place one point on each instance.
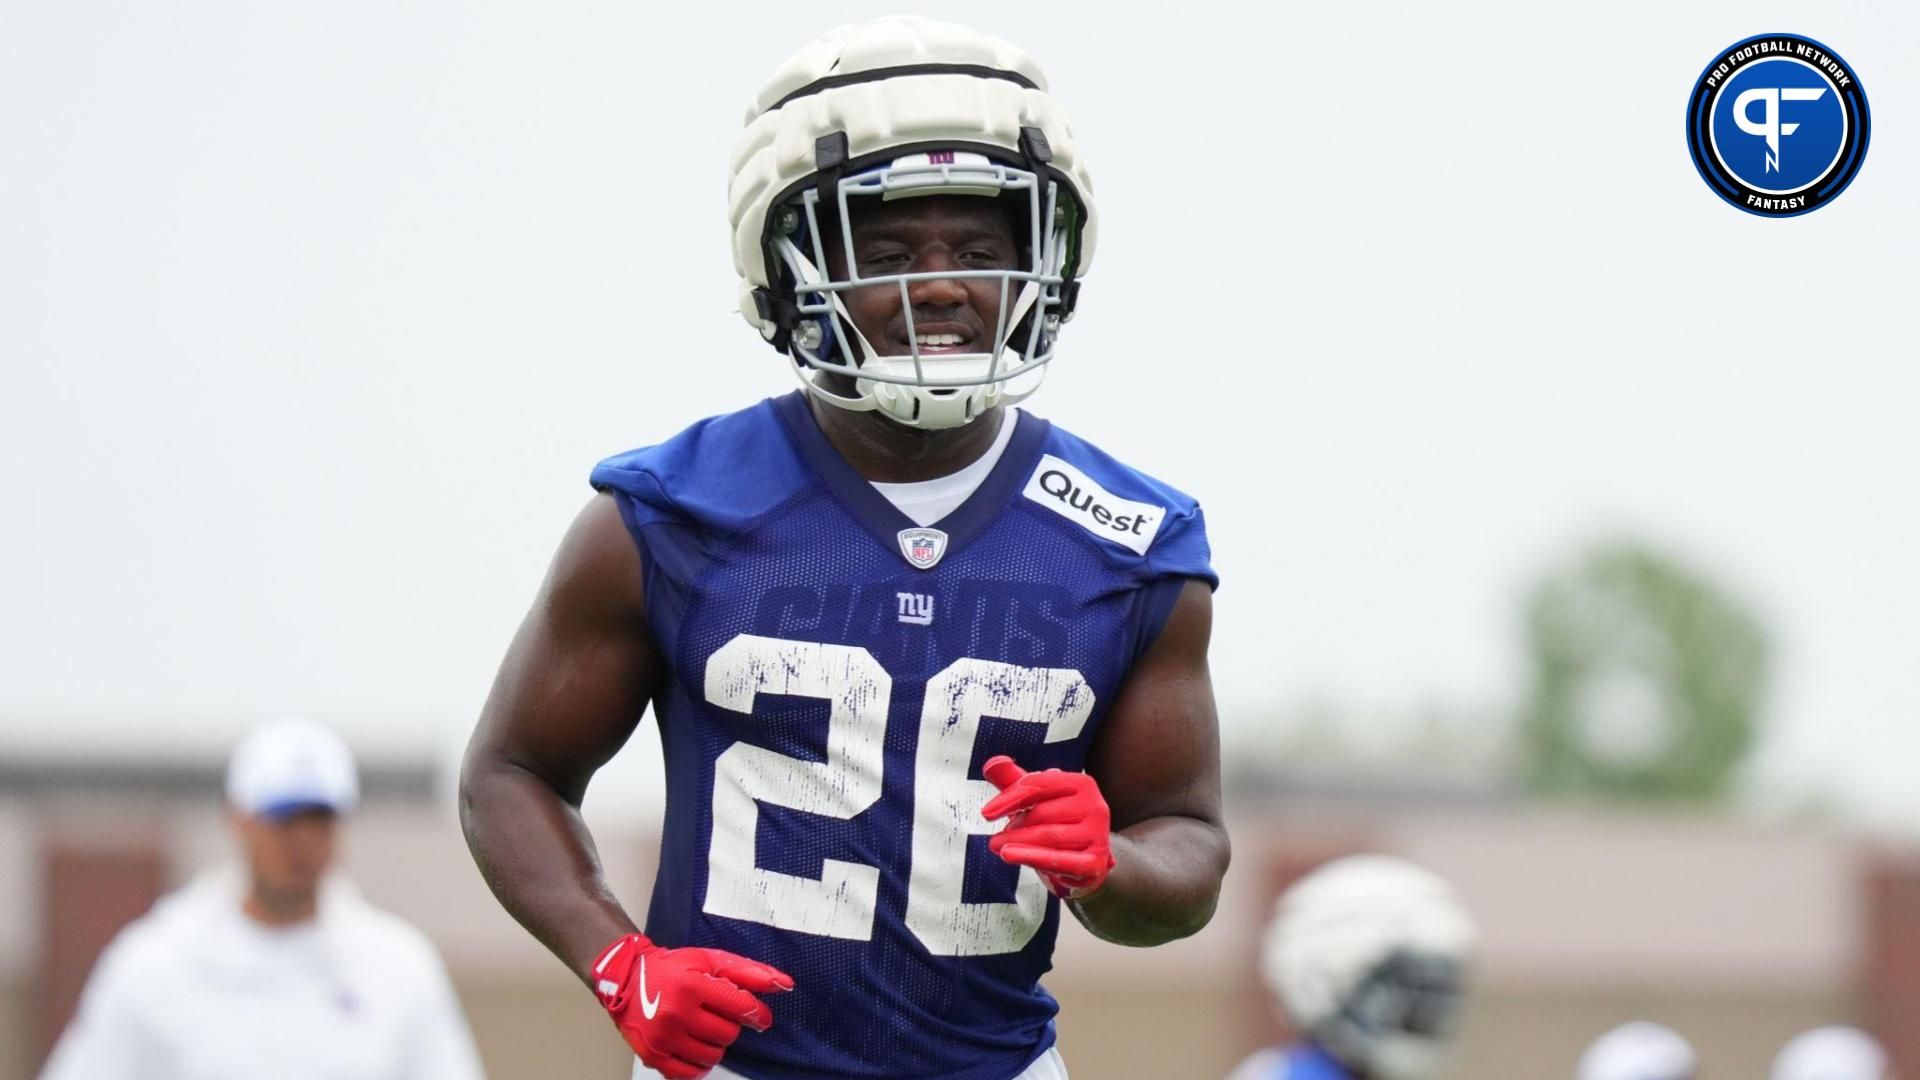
(1648, 679)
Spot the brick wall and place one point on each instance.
(1890, 983)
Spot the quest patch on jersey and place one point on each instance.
(1073, 495)
(1778, 125)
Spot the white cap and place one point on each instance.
(1831, 1053)
(291, 764)
(1638, 1051)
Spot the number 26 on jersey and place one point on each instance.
(840, 902)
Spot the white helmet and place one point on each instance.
(1368, 956)
(1831, 1053)
(893, 108)
(1638, 1051)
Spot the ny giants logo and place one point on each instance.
(915, 608)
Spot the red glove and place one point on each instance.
(681, 1008)
(1057, 823)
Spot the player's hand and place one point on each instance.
(681, 1008)
(1057, 823)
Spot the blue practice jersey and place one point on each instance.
(836, 677)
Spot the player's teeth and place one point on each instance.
(937, 340)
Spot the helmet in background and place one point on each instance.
(1368, 956)
(1638, 1051)
(1831, 1053)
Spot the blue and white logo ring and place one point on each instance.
(1778, 125)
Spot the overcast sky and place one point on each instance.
(314, 317)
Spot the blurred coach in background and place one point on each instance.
(271, 969)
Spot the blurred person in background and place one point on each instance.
(1832, 1053)
(273, 968)
(1367, 957)
(1639, 1051)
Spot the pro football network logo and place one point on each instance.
(1778, 125)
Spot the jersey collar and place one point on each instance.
(882, 518)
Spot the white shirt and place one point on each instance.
(197, 990)
(927, 501)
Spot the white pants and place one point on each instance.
(1048, 1066)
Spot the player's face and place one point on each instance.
(287, 856)
(927, 235)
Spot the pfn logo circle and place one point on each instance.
(1778, 125)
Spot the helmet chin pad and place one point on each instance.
(929, 408)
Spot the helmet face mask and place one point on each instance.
(923, 389)
(1399, 1019)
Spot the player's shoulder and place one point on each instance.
(163, 940)
(1128, 513)
(718, 472)
(149, 944)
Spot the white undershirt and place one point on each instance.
(927, 501)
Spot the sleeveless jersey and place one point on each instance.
(836, 678)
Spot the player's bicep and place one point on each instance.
(580, 670)
(1158, 750)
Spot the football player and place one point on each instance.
(1367, 958)
(926, 668)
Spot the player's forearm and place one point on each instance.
(1165, 882)
(536, 855)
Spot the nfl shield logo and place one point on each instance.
(923, 547)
